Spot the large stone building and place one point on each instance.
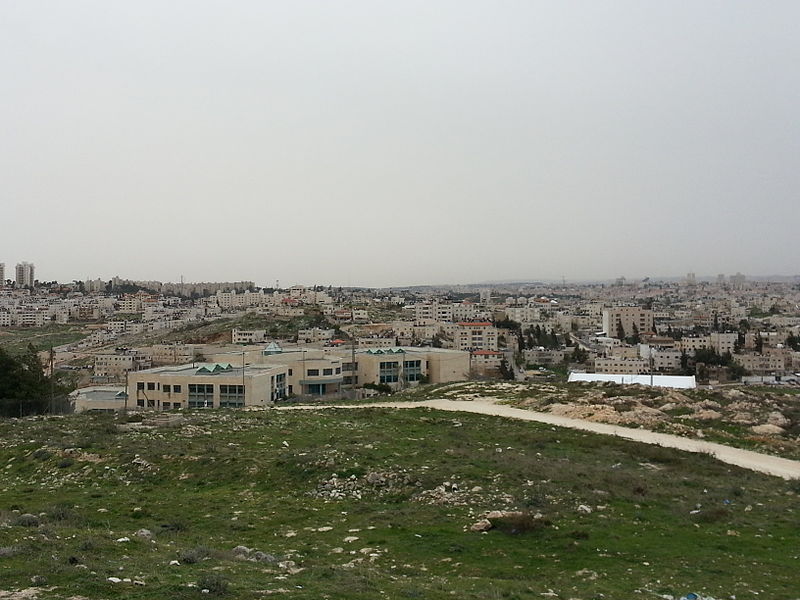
(305, 372)
(628, 319)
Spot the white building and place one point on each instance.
(25, 274)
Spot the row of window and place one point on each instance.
(315, 372)
(152, 386)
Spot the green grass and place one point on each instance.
(15, 340)
(229, 479)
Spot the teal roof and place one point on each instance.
(214, 368)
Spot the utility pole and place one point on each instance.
(125, 408)
(52, 378)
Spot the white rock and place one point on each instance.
(124, 539)
(114, 579)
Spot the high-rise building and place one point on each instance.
(2, 274)
(25, 274)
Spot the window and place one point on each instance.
(201, 395)
(176, 389)
(348, 366)
(140, 402)
(327, 371)
(412, 370)
(389, 372)
(151, 386)
(140, 385)
(279, 389)
(338, 370)
(166, 405)
(167, 389)
(290, 372)
(231, 396)
(313, 372)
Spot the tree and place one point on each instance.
(24, 387)
(620, 331)
(579, 355)
(505, 370)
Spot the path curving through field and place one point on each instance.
(755, 461)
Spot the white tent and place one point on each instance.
(670, 381)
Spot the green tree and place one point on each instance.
(24, 387)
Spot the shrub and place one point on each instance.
(26, 520)
(194, 555)
(65, 463)
(713, 515)
(515, 524)
(213, 582)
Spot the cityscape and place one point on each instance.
(148, 344)
(419, 300)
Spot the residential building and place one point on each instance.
(25, 274)
(628, 319)
(479, 335)
(248, 336)
(621, 366)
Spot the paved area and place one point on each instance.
(755, 461)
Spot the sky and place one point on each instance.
(386, 143)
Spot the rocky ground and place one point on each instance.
(758, 418)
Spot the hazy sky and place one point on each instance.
(399, 142)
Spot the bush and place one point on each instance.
(65, 463)
(516, 524)
(713, 515)
(26, 520)
(194, 555)
(213, 582)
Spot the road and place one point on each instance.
(754, 461)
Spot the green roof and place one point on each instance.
(214, 368)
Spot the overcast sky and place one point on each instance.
(399, 142)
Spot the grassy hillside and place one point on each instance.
(601, 517)
(15, 340)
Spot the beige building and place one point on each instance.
(627, 317)
(471, 336)
(306, 372)
(248, 336)
(621, 366)
(762, 364)
(208, 385)
(486, 362)
(117, 364)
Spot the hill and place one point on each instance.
(368, 503)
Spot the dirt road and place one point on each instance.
(755, 461)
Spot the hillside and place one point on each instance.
(761, 418)
(248, 505)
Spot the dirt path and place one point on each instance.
(755, 461)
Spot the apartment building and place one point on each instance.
(486, 362)
(629, 318)
(248, 336)
(762, 364)
(117, 364)
(25, 274)
(315, 334)
(621, 366)
(479, 335)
